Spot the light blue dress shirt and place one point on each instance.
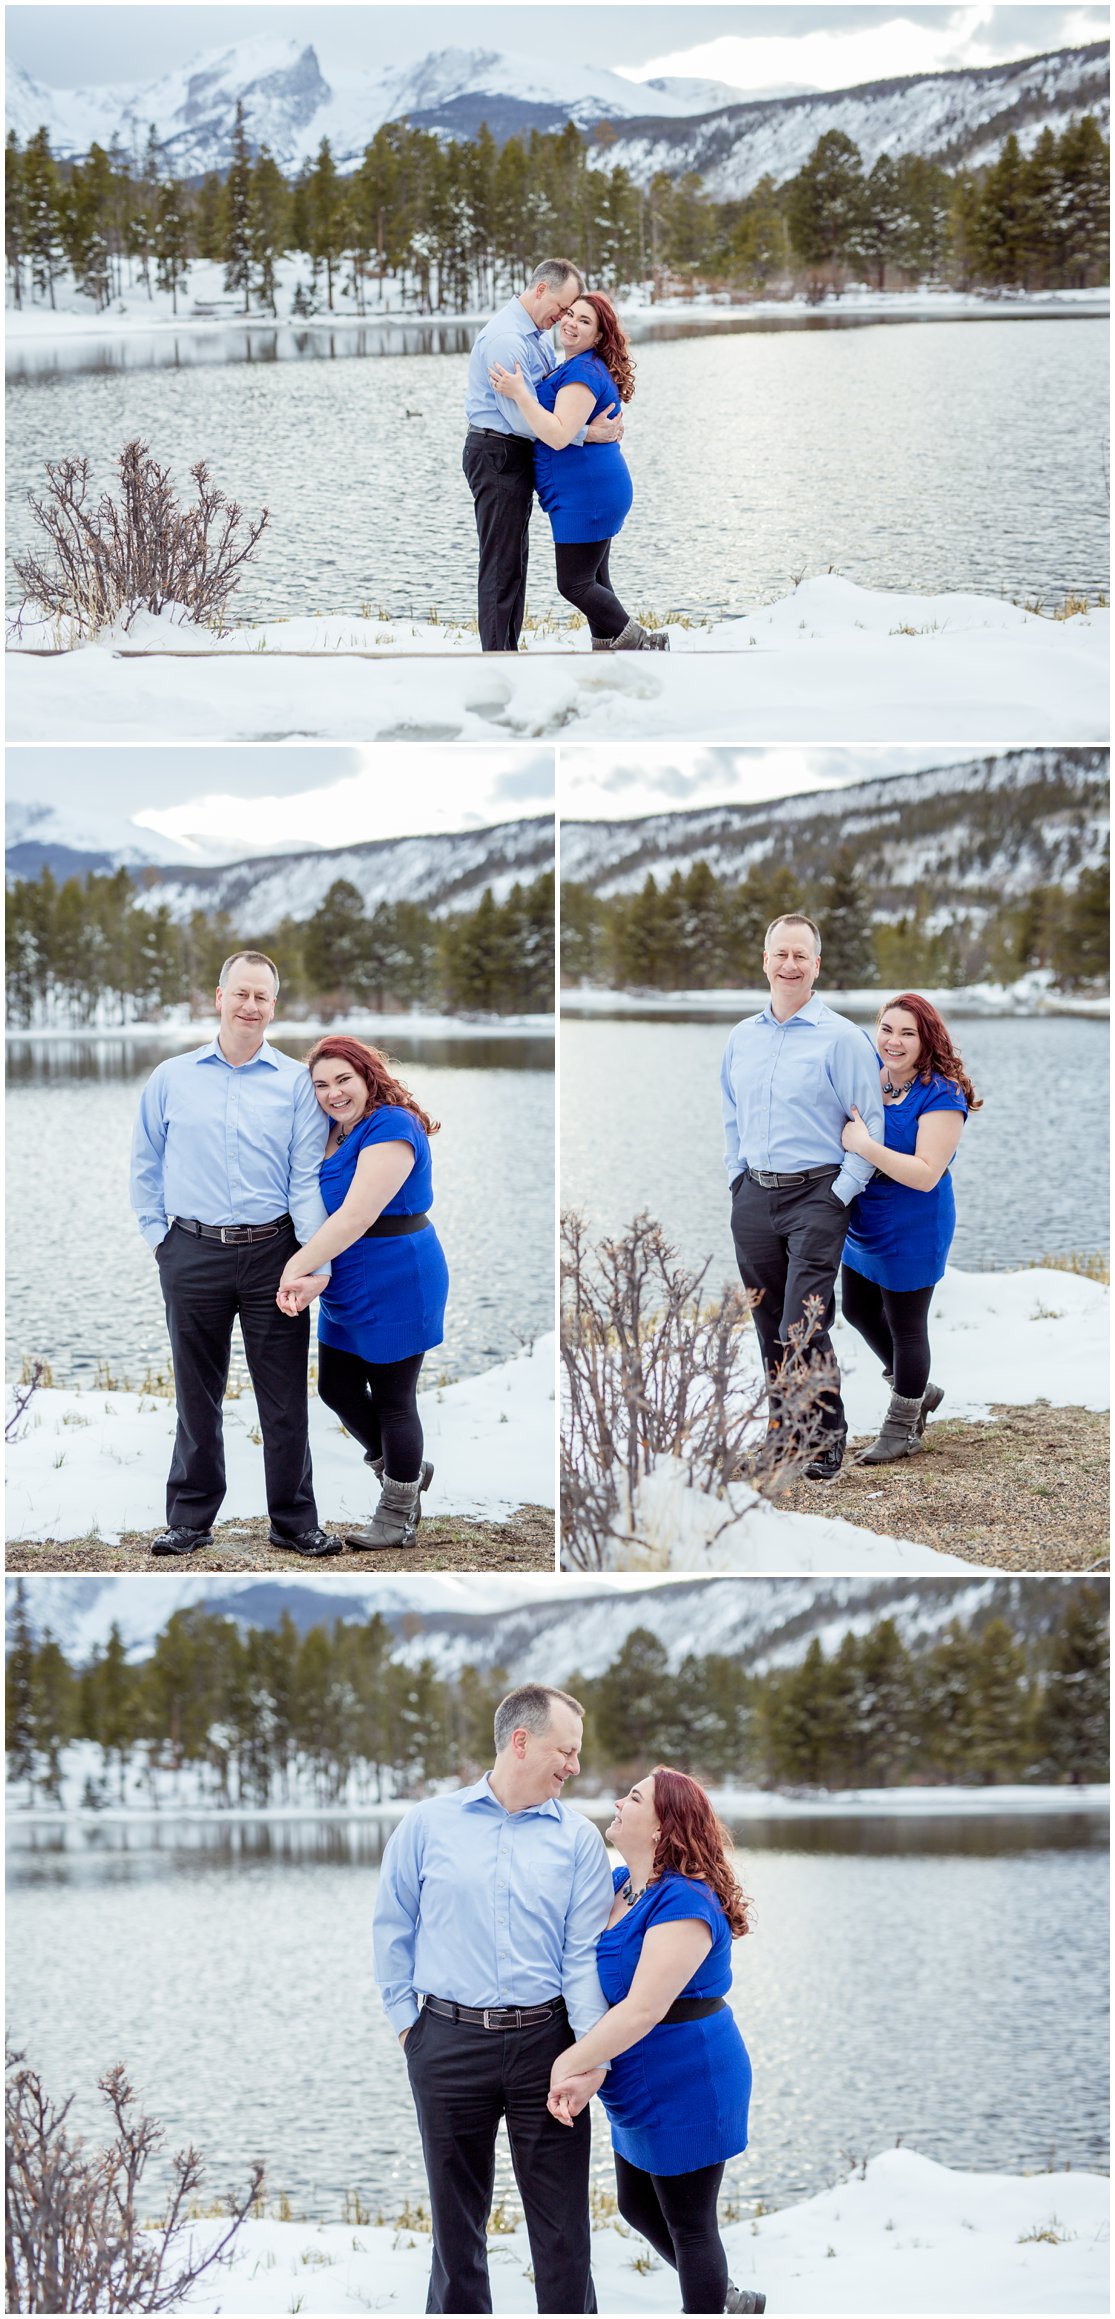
(509, 338)
(788, 1090)
(490, 1907)
(228, 1144)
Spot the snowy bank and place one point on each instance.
(901, 2235)
(178, 1030)
(998, 1337)
(829, 662)
(96, 1463)
(1031, 994)
(137, 315)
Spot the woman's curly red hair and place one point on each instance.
(936, 1053)
(376, 1073)
(611, 344)
(693, 1842)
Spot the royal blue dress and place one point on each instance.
(896, 1236)
(679, 2098)
(586, 489)
(386, 1297)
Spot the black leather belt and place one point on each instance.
(233, 1235)
(503, 435)
(692, 2009)
(495, 2016)
(393, 1227)
(773, 1183)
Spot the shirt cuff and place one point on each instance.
(155, 1232)
(402, 2013)
(846, 1187)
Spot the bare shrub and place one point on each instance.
(652, 1371)
(140, 553)
(75, 2241)
(22, 1395)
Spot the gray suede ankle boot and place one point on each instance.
(931, 1399)
(898, 1436)
(635, 638)
(396, 1518)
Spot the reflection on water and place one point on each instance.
(1035, 1075)
(493, 1201)
(925, 457)
(900, 1980)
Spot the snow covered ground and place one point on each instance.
(1032, 994)
(830, 662)
(902, 2234)
(1015, 1337)
(177, 1029)
(134, 315)
(96, 1463)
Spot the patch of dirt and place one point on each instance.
(1029, 1490)
(525, 1542)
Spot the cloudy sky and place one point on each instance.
(264, 798)
(756, 49)
(620, 784)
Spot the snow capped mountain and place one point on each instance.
(70, 844)
(992, 826)
(291, 101)
(445, 871)
(553, 1628)
(294, 95)
(957, 118)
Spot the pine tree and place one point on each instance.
(237, 244)
(171, 241)
(19, 1693)
(847, 955)
(14, 226)
(824, 203)
(41, 212)
(1073, 1727)
(327, 215)
(268, 224)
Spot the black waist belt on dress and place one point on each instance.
(692, 2009)
(393, 1227)
(495, 2016)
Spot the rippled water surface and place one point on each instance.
(899, 1981)
(70, 1112)
(935, 455)
(641, 1128)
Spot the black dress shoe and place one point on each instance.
(312, 1543)
(176, 1540)
(827, 1463)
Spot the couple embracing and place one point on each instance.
(523, 1974)
(261, 1184)
(537, 423)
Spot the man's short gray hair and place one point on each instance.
(555, 272)
(530, 1708)
(250, 958)
(794, 918)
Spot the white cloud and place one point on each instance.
(613, 785)
(888, 49)
(398, 792)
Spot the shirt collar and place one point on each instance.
(214, 1053)
(481, 1793)
(810, 1013)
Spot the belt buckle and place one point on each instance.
(225, 1230)
(484, 2017)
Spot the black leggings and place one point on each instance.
(895, 1323)
(376, 1402)
(676, 2214)
(583, 580)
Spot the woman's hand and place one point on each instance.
(510, 382)
(297, 1289)
(856, 1137)
(565, 2102)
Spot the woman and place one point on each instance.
(901, 1227)
(678, 2089)
(384, 1304)
(585, 488)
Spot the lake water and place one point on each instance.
(933, 456)
(82, 1287)
(900, 1980)
(641, 1128)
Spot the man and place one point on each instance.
(490, 1904)
(225, 1185)
(498, 457)
(789, 1079)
